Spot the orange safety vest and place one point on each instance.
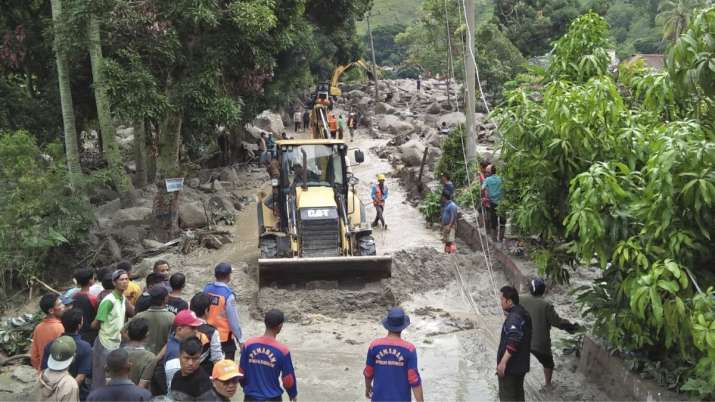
(217, 312)
(378, 200)
(332, 123)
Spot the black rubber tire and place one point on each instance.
(366, 245)
(269, 247)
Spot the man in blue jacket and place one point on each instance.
(514, 347)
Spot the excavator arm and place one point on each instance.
(339, 70)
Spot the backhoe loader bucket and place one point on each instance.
(292, 270)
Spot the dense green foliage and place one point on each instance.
(533, 25)
(387, 52)
(621, 172)
(39, 213)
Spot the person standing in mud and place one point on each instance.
(543, 317)
(379, 193)
(264, 361)
(449, 216)
(391, 367)
(223, 314)
(514, 347)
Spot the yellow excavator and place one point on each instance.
(339, 70)
(311, 222)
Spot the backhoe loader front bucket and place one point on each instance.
(292, 270)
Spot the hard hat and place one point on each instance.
(380, 177)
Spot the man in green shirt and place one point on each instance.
(142, 361)
(543, 317)
(159, 318)
(109, 321)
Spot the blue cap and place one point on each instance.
(396, 320)
(222, 268)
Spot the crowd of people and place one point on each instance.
(111, 340)
(144, 344)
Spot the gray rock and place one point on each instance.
(384, 108)
(25, 374)
(107, 210)
(453, 119)
(356, 94)
(211, 242)
(131, 216)
(114, 248)
(412, 152)
(269, 121)
(433, 138)
(229, 174)
(192, 215)
(434, 108)
(393, 125)
(253, 131)
(193, 182)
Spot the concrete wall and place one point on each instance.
(595, 361)
(598, 364)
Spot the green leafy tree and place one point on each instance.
(675, 16)
(42, 220)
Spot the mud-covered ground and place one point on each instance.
(330, 324)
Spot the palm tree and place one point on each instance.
(63, 77)
(675, 16)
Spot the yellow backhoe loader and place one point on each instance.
(311, 223)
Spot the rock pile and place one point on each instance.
(208, 198)
(411, 120)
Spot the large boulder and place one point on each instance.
(412, 152)
(434, 108)
(393, 125)
(131, 216)
(192, 215)
(356, 94)
(453, 119)
(253, 131)
(384, 108)
(269, 121)
(433, 138)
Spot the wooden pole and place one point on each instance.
(374, 63)
(469, 81)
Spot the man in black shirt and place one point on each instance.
(514, 347)
(190, 382)
(176, 303)
(144, 300)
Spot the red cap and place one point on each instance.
(187, 318)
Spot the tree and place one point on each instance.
(63, 79)
(675, 16)
(532, 25)
(108, 131)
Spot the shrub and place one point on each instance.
(39, 211)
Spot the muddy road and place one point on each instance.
(330, 325)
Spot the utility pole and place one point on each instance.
(470, 71)
(374, 63)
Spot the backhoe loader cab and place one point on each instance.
(311, 222)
